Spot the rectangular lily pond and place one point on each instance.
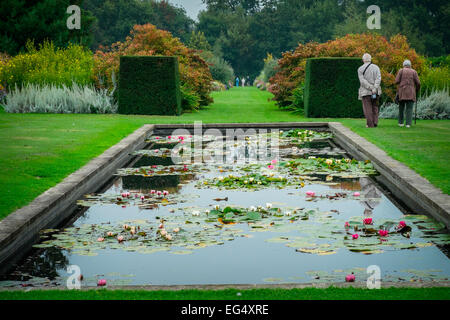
(257, 208)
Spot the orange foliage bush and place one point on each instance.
(147, 40)
(388, 55)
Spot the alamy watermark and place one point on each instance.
(374, 280)
(374, 20)
(74, 20)
(74, 280)
(230, 146)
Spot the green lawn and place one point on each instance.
(39, 150)
(330, 293)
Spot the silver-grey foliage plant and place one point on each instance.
(54, 99)
(435, 106)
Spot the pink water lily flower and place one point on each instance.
(100, 239)
(383, 233)
(347, 225)
(165, 192)
(274, 161)
(110, 234)
(367, 221)
(355, 236)
(101, 282)
(120, 238)
(176, 230)
(402, 224)
(270, 166)
(356, 194)
(163, 232)
(158, 193)
(142, 197)
(310, 193)
(350, 278)
(152, 191)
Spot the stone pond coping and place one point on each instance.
(20, 229)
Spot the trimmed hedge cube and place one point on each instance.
(149, 85)
(331, 88)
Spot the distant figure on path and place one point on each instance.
(243, 81)
(408, 86)
(237, 81)
(370, 89)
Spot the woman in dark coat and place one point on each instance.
(408, 85)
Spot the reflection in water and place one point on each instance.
(42, 264)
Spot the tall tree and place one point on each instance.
(115, 19)
(39, 20)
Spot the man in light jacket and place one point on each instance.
(370, 89)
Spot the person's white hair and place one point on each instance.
(407, 63)
(366, 58)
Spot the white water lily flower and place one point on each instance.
(195, 213)
(259, 182)
(311, 157)
(217, 207)
(245, 181)
(268, 205)
(207, 211)
(220, 178)
(288, 213)
(329, 161)
(251, 179)
(252, 208)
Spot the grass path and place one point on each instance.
(39, 150)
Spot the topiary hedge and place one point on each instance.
(149, 85)
(331, 88)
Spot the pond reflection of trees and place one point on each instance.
(42, 263)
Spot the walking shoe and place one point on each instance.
(401, 125)
(408, 126)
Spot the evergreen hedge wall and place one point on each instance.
(149, 85)
(331, 88)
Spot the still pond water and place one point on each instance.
(290, 217)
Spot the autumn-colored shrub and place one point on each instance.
(388, 55)
(147, 40)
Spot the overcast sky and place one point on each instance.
(192, 6)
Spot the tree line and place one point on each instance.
(240, 32)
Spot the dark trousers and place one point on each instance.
(408, 105)
(370, 108)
